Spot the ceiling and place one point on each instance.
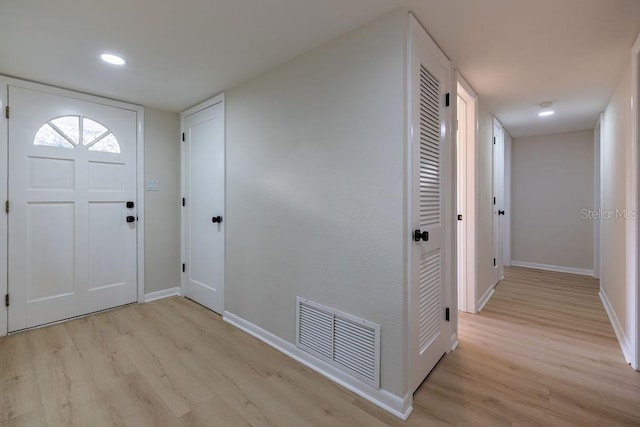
(517, 54)
(514, 53)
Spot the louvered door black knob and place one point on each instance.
(500, 212)
(216, 219)
(131, 219)
(420, 235)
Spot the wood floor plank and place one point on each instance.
(542, 352)
(131, 401)
(176, 386)
(215, 412)
(95, 340)
(327, 406)
(20, 400)
(69, 395)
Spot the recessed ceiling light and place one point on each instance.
(545, 109)
(112, 59)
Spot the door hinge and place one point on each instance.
(446, 314)
(184, 202)
(184, 267)
(494, 262)
(6, 111)
(182, 136)
(459, 217)
(494, 200)
(446, 100)
(6, 300)
(494, 140)
(6, 206)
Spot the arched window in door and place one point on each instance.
(77, 131)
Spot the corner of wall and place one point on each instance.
(162, 210)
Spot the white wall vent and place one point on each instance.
(343, 340)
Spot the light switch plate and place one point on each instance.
(153, 185)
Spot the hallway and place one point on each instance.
(541, 352)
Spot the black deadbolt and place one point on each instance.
(131, 218)
(420, 235)
(217, 219)
(130, 205)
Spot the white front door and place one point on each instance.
(498, 201)
(72, 170)
(203, 212)
(430, 144)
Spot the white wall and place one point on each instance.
(615, 147)
(162, 208)
(315, 203)
(552, 183)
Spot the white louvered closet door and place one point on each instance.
(430, 175)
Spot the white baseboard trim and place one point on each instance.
(400, 407)
(549, 267)
(165, 293)
(485, 298)
(617, 327)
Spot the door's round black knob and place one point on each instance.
(216, 219)
(131, 218)
(500, 212)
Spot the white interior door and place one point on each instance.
(72, 168)
(498, 201)
(461, 194)
(430, 181)
(204, 221)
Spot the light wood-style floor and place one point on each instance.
(541, 353)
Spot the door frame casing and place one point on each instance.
(498, 192)
(597, 193)
(633, 195)
(471, 199)
(507, 144)
(449, 206)
(5, 82)
(220, 98)
(4, 181)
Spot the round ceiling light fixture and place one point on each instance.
(545, 109)
(112, 59)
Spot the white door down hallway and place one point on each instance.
(172, 362)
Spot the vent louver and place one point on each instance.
(343, 340)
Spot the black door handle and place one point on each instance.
(131, 218)
(500, 212)
(217, 219)
(420, 235)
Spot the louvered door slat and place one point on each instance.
(429, 298)
(430, 215)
